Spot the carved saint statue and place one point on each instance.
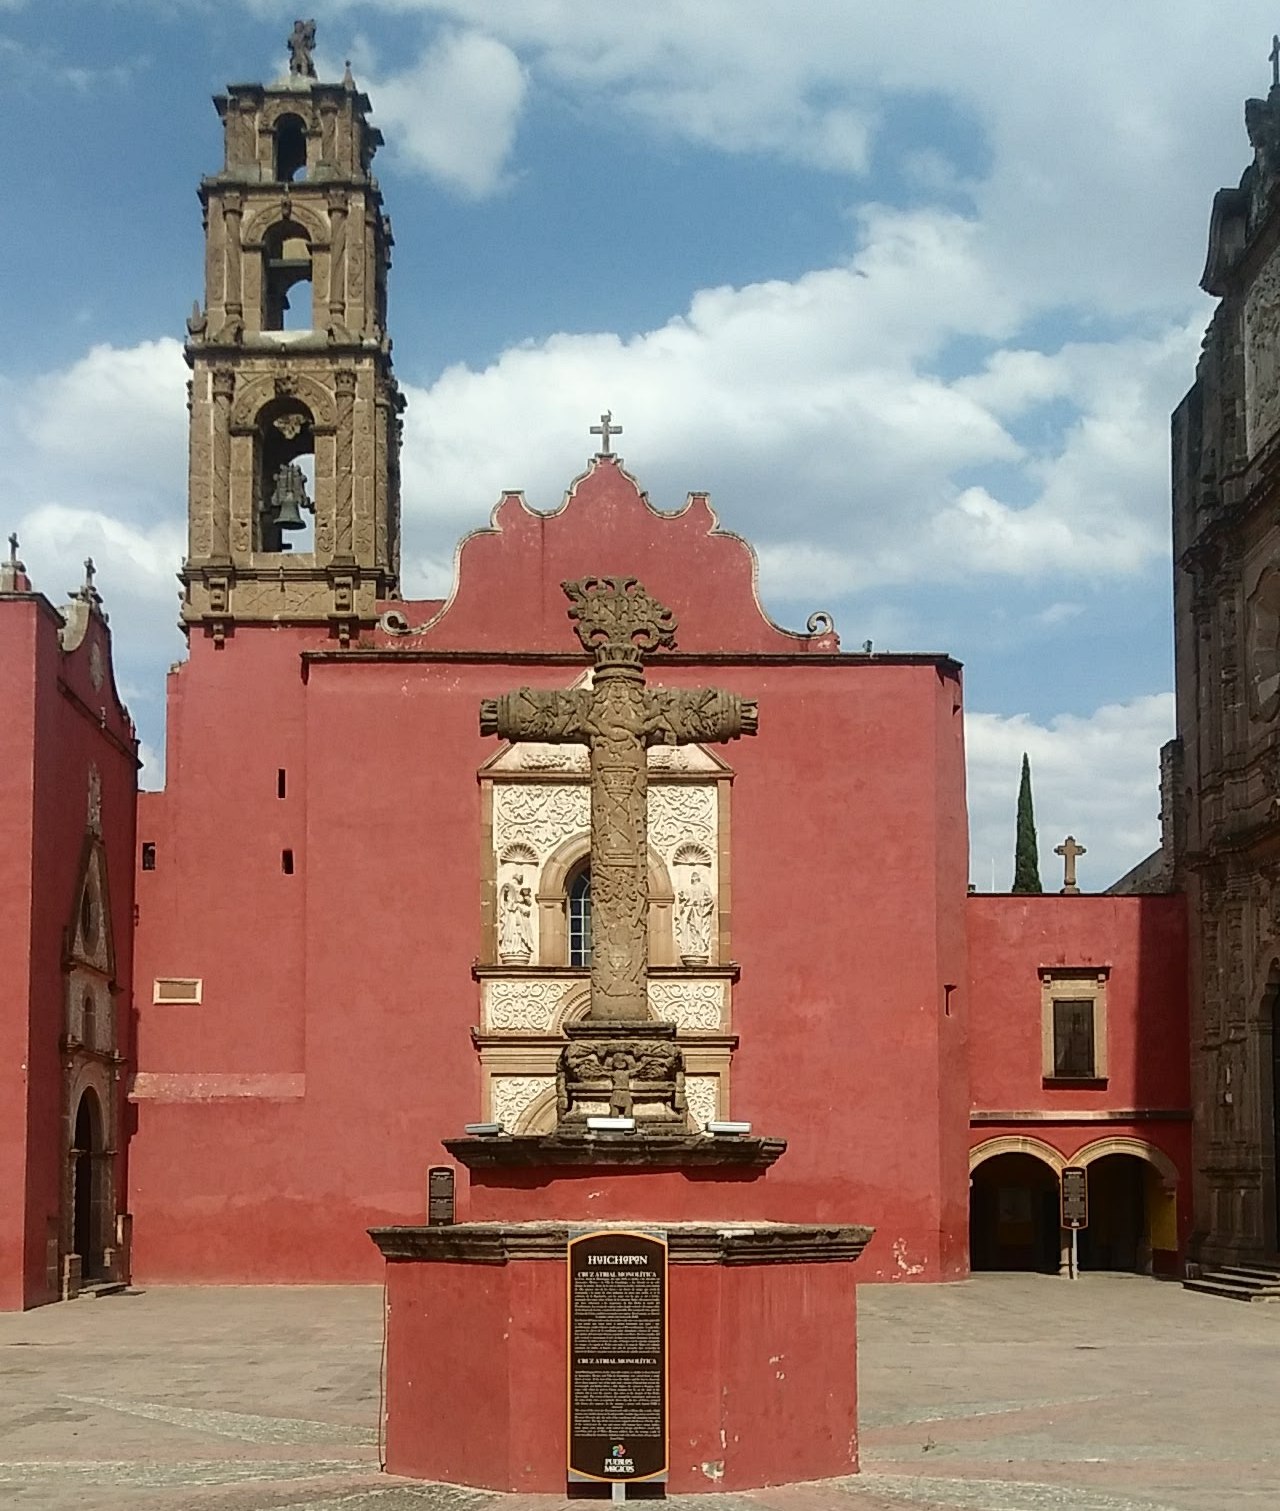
(515, 926)
(302, 43)
(695, 915)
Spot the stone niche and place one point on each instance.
(537, 818)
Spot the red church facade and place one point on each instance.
(309, 930)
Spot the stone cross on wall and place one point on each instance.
(1069, 851)
(618, 718)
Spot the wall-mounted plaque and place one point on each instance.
(440, 1205)
(617, 1356)
(1075, 1197)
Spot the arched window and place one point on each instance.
(290, 149)
(580, 917)
(88, 1025)
(286, 279)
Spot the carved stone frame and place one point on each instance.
(1075, 983)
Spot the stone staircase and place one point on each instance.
(1258, 1280)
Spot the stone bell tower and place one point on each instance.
(295, 428)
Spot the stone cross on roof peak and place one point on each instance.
(604, 430)
(1069, 851)
(13, 549)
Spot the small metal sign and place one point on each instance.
(440, 1203)
(1075, 1197)
(617, 1357)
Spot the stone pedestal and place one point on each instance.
(762, 1328)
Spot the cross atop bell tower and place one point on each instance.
(294, 510)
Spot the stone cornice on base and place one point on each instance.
(687, 1242)
(614, 1150)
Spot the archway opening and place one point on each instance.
(1119, 1233)
(87, 1176)
(1013, 1215)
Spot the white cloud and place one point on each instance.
(1096, 777)
(454, 112)
(109, 430)
(811, 411)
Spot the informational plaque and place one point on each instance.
(617, 1356)
(440, 1208)
(1075, 1197)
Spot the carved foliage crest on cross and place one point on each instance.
(617, 620)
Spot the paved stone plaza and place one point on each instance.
(1008, 1392)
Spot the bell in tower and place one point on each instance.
(294, 506)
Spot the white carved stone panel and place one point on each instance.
(1262, 356)
(522, 1006)
(703, 1095)
(693, 1006)
(540, 815)
(510, 1097)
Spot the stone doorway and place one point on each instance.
(1013, 1214)
(88, 1197)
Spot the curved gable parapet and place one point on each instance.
(507, 576)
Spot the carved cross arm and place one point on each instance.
(686, 716)
(529, 714)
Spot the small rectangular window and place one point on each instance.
(148, 855)
(177, 989)
(286, 862)
(1073, 1055)
(280, 782)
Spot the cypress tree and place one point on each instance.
(1026, 854)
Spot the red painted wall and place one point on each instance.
(57, 725)
(331, 1053)
(1143, 942)
(762, 1374)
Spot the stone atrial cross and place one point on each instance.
(1069, 851)
(617, 719)
(604, 430)
(1275, 62)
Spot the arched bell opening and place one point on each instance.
(287, 302)
(285, 478)
(289, 150)
(1013, 1214)
(89, 1198)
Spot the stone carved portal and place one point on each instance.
(618, 1054)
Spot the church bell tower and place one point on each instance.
(294, 511)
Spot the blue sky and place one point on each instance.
(910, 289)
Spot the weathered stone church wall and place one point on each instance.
(1226, 488)
(68, 777)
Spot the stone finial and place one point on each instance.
(1069, 851)
(617, 620)
(604, 430)
(1274, 57)
(302, 45)
(13, 574)
(348, 78)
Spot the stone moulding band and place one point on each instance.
(653, 1151)
(688, 1243)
